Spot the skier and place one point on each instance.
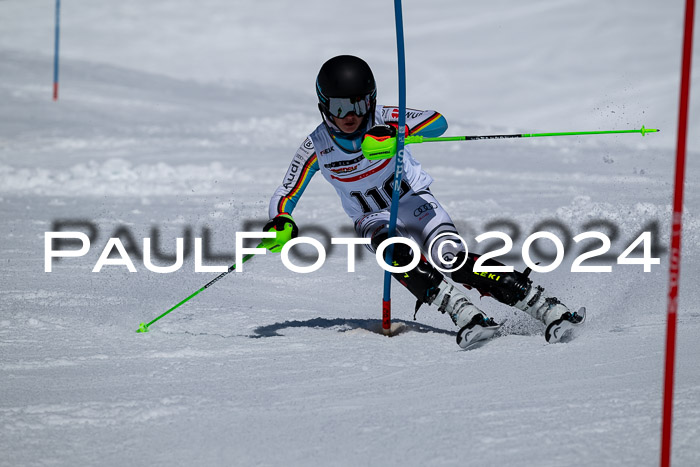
(347, 93)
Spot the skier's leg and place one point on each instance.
(430, 225)
(427, 221)
(429, 286)
(512, 288)
(425, 282)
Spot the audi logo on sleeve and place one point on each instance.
(425, 208)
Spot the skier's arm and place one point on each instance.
(301, 169)
(428, 123)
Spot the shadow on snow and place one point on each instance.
(344, 325)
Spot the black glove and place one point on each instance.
(381, 131)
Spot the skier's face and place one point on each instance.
(349, 124)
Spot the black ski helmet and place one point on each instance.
(344, 76)
(346, 84)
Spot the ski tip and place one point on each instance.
(143, 327)
(476, 336)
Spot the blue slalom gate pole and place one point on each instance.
(398, 168)
(55, 52)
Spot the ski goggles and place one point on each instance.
(340, 107)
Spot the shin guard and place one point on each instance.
(506, 287)
(423, 281)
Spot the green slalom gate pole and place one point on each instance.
(143, 327)
(384, 148)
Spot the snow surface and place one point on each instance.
(178, 116)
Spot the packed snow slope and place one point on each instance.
(178, 119)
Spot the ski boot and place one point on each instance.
(561, 324)
(474, 327)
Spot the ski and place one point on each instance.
(566, 328)
(473, 337)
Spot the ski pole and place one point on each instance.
(143, 327)
(385, 147)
